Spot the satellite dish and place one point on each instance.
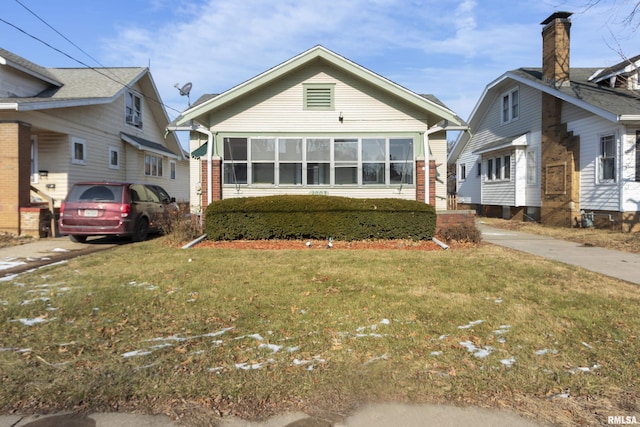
(184, 90)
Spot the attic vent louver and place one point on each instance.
(318, 96)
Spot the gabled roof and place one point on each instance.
(28, 67)
(613, 104)
(78, 87)
(207, 104)
(146, 145)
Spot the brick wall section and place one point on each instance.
(216, 178)
(420, 180)
(420, 190)
(432, 182)
(447, 219)
(15, 171)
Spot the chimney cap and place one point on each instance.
(556, 15)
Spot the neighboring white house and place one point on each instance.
(318, 124)
(59, 126)
(555, 143)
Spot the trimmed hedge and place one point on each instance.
(292, 217)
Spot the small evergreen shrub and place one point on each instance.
(460, 233)
(318, 217)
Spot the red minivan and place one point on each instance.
(114, 208)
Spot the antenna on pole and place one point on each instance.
(185, 90)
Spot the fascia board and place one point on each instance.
(335, 60)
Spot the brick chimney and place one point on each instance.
(555, 48)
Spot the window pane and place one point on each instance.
(160, 171)
(514, 104)
(262, 173)
(114, 158)
(401, 149)
(291, 173)
(318, 173)
(507, 167)
(401, 173)
(147, 165)
(235, 173)
(346, 150)
(490, 169)
(235, 149)
(531, 167)
(78, 151)
(498, 173)
(373, 173)
(373, 150)
(290, 149)
(346, 175)
(318, 150)
(263, 149)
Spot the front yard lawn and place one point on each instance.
(200, 333)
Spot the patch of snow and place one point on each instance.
(508, 362)
(34, 321)
(480, 353)
(471, 324)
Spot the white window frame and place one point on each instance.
(510, 106)
(80, 143)
(612, 157)
(113, 150)
(462, 172)
(155, 166)
(172, 169)
(133, 112)
(35, 172)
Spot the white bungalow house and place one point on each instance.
(318, 124)
(59, 126)
(555, 144)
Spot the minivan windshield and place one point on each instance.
(95, 193)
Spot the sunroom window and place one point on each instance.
(318, 161)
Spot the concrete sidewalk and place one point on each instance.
(617, 264)
(379, 415)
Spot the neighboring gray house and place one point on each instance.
(318, 124)
(59, 126)
(555, 143)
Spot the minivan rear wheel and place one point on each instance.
(77, 238)
(141, 230)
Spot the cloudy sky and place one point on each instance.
(451, 49)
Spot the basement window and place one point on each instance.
(318, 96)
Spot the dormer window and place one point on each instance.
(510, 106)
(133, 110)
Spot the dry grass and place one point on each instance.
(629, 242)
(202, 332)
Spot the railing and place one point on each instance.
(452, 202)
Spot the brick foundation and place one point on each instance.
(447, 219)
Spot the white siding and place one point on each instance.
(593, 195)
(478, 190)
(14, 83)
(631, 188)
(99, 126)
(278, 110)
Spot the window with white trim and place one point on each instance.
(172, 169)
(510, 110)
(78, 151)
(35, 173)
(506, 170)
(152, 165)
(114, 158)
(607, 159)
(133, 109)
(490, 171)
(463, 172)
(318, 161)
(499, 168)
